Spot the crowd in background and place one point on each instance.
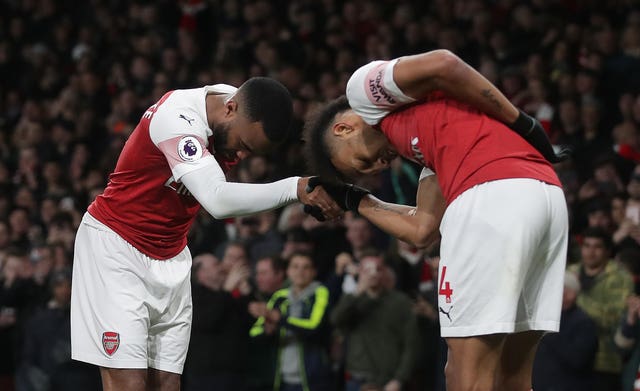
(75, 77)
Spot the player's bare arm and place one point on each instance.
(442, 70)
(421, 74)
(416, 225)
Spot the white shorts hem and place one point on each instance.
(498, 328)
(165, 366)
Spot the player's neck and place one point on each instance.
(215, 109)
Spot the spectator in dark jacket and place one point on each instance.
(270, 273)
(221, 322)
(46, 356)
(564, 361)
(380, 328)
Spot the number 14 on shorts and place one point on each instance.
(444, 288)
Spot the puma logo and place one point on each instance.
(446, 312)
(186, 118)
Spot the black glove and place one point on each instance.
(346, 195)
(532, 131)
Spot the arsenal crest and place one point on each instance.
(110, 342)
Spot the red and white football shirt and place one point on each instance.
(144, 201)
(463, 146)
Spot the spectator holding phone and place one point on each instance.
(629, 228)
(381, 329)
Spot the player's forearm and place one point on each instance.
(400, 221)
(228, 199)
(462, 82)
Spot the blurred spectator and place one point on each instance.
(270, 274)
(17, 295)
(432, 356)
(46, 363)
(20, 225)
(328, 239)
(61, 229)
(410, 266)
(298, 314)
(400, 181)
(297, 239)
(564, 360)
(606, 285)
(235, 267)
(629, 228)
(626, 340)
(292, 216)
(262, 237)
(598, 214)
(568, 122)
(206, 234)
(75, 78)
(5, 236)
(594, 141)
(380, 329)
(344, 277)
(629, 258)
(618, 210)
(605, 181)
(359, 235)
(221, 324)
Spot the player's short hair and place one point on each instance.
(267, 101)
(316, 150)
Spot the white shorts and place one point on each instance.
(128, 310)
(503, 255)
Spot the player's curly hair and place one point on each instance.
(267, 101)
(316, 149)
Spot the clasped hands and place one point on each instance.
(328, 200)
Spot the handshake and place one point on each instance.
(347, 196)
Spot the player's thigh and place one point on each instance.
(158, 380)
(170, 305)
(517, 359)
(473, 362)
(519, 351)
(114, 379)
(109, 319)
(542, 293)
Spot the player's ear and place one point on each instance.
(230, 107)
(342, 129)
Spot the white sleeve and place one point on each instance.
(426, 172)
(224, 199)
(180, 133)
(372, 92)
